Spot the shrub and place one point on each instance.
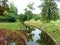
(22, 18)
(7, 18)
(36, 17)
(2, 18)
(10, 19)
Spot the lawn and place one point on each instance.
(53, 28)
(12, 26)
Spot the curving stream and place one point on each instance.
(36, 36)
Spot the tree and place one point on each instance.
(30, 6)
(22, 18)
(28, 14)
(49, 10)
(13, 8)
(28, 11)
(12, 13)
(36, 17)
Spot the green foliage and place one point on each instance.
(12, 13)
(36, 17)
(2, 19)
(10, 18)
(49, 10)
(28, 11)
(13, 8)
(30, 29)
(28, 14)
(22, 18)
(7, 18)
(30, 6)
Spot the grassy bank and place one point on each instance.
(53, 28)
(12, 26)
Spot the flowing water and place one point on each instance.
(36, 36)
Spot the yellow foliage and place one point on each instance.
(5, 12)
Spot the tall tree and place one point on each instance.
(13, 8)
(30, 6)
(28, 11)
(12, 13)
(49, 10)
(28, 14)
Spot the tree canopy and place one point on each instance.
(49, 10)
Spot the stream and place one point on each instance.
(36, 36)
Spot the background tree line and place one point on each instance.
(49, 11)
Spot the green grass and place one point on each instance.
(12, 26)
(53, 28)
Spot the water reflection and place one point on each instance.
(36, 36)
(32, 43)
(12, 43)
(36, 33)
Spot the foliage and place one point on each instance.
(28, 14)
(13, 9)
(11, 16)
(53, 28)
(2, 18)
(12, 37)
(30, 6)
(5, 12)
(28, 11)
(2, 33)
(49, 10)
(7, 18)
(36, 17)
(22, 17)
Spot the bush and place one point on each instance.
(22, 18)
(7, 18)
(2, 18)
(36, 17)
(10, 19)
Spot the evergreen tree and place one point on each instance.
(49, 10)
